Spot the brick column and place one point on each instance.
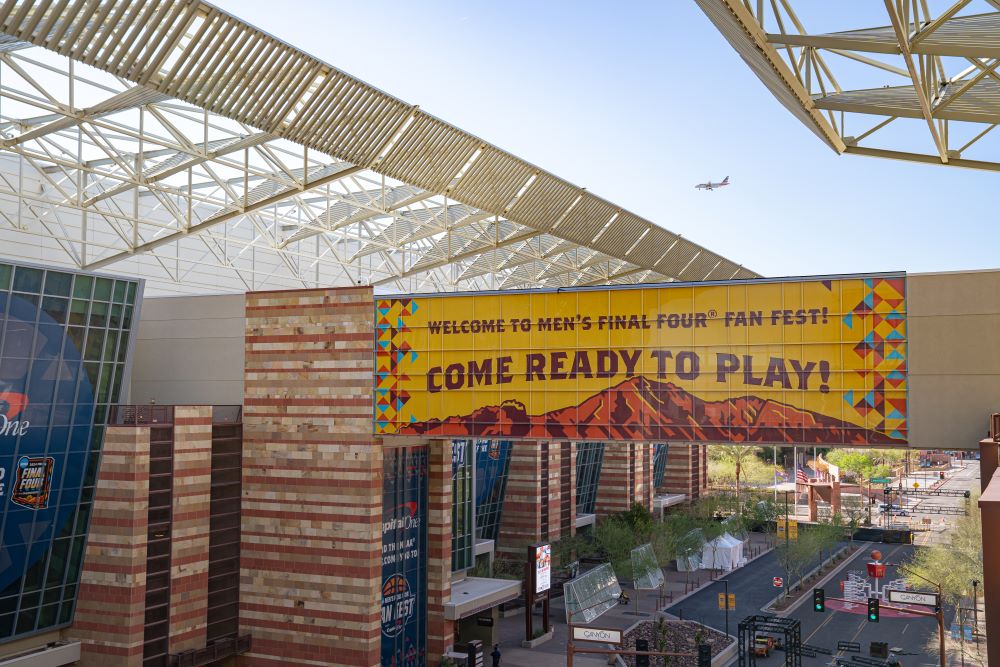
(687, 469)
(440, 633)
(617, 489)
(111, 603)
(192, 497)
(644, 475)
(553, 492)
(567, 487)
(311, 538)
(522, 512)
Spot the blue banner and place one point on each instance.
(44, 437)
(404, 557)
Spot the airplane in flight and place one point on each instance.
(711, 186)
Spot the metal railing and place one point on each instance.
(217, 650)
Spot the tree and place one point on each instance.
(739, 457)
(795, 555)
(953, 565)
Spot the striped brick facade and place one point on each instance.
(626, 475)
(192, 496)
(521, 521)
(687, 470)
(110, 609)
(440, 633)
(312, 481)
(537, 506)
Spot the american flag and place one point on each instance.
(800, 476)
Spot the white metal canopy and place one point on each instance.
(170, 140)
(924, 82)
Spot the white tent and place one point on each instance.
(723, 553)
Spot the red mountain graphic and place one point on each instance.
(642, 409)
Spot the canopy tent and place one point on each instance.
(723, 553)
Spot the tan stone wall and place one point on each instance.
(111, 603)
(312, 487)
(192, 497)
(954, 357)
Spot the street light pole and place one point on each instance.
(726, 581)
(939, 612)
(975, 610)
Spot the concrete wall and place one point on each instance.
(954, 357)
(190, 350)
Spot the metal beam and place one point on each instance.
(215, 220)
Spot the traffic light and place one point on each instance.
(641, 660)
(873, 610)
(819, 599)
(704, 655)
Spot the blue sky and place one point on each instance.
(640, 101)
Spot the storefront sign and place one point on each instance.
(913, 597)
(795, 360)
(602, 635)
(404, 556)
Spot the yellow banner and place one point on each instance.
(783, 361)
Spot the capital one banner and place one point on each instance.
(807, 360)
(404, 557)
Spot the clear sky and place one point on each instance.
(640, 101)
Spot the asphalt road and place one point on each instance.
(754, 589)
(752, 585)
(826, 629)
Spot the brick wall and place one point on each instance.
(687, 470)
(521, 520)
(440, 633)
(192, 497)
(626, 477)
(110, 609)
(312, 487)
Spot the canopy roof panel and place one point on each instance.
(941, 59)
(174, 140)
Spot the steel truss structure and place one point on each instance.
(169, 140)
(923, 85)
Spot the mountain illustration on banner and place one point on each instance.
(643, 409)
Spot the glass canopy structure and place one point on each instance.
(169, 140)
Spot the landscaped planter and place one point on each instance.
(680, 636)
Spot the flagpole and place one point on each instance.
(775, 451)
(795, 460)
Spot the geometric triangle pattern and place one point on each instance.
(880, 316)
(392, 355)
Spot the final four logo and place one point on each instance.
(398, 604)
(32, 482)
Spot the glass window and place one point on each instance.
(659, 464)
(589, 456)
(461, 505)
(119, 294)
(27, 279)
(5, 271)
(83, 286)
(492, 466)
(58, 283)
(102, 289)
